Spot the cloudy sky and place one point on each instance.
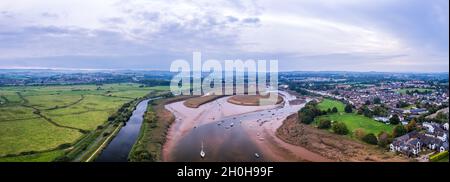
(344, 35)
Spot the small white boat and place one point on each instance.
(202, 153)
(257, 155)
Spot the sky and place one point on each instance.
(303, 35)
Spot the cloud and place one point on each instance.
(347, 34)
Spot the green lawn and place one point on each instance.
(445, 159)
(352, 120)
(326, 104)
(79, 106)
(403, 90)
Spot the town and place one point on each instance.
(418, 105)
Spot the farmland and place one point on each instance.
(352, 120)
(40, 123)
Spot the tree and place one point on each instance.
(367, 102)
(359, 133)
(384, 139)
(340, 128)
(334, 110)
(394, 119)
(370, 139)
(328, 110)
(399, 130)
(324, 124)
(411, 126)
(377, 100)
(348, 108)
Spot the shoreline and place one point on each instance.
(263, 134)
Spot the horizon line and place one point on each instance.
(132, 69)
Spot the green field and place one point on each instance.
(352, 120)
(35, 120)
(403, 90)
(326, 104)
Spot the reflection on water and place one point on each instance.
(222, 143)
(120, 146)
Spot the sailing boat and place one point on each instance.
(202, 153)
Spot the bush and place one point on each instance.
(324, 124)
(359, 133)
(348, 108)
(340, 128)
(384, 139)
(370, 139)
(394, 119)
(334, 110)
(399, 130)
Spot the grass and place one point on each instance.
(33, 135)
(27, 113)
(403, 90)
(157, 121)
(352, 120)
(39, 157)
(250, 100)
(445, 159)
(326, 104)
(198, 101)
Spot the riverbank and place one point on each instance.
(331, 146)
(233, 132)
(154, 129)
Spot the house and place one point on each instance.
(382, 119)
(419, 111)
(407, 144)
(412, 143)
(445, 126)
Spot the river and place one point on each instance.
(119, 148)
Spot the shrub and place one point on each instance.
(394, 119)
(399, 130)
(334, 110)
(384, 139)
(370, 139)
(359, 133)
(340, 128)
(348, 108)
(324, 124)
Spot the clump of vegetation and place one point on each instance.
(394, 120)
(340, 128)
(309, 112)
(411, 126)
(384, 139)
(324, 124)
(359, 133)
(399, 130)
(348, 108)
(370, 139)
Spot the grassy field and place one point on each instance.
(352, 120)
(36, 120)
(403, 90)
(326, 104)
